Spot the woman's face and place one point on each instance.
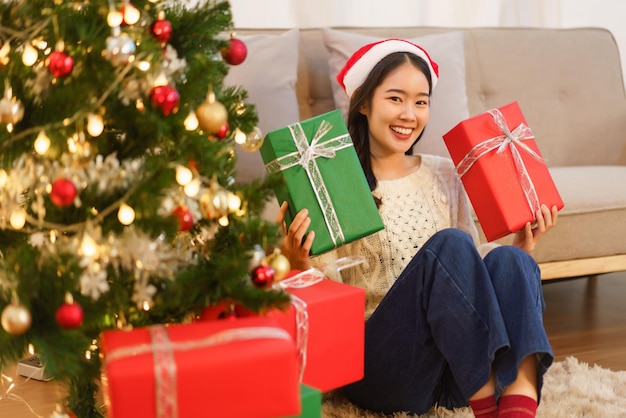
(398, 111)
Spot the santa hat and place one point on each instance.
(359, 65)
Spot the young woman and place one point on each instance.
(447, 323)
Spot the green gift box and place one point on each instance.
(311, 400)
(322, 173)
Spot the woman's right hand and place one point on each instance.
(294, 245)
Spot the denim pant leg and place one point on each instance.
(434, 336)
(517, 282)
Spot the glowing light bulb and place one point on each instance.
(223, 221)
(4, 53)
(18, 219)
(3, 177)
(143, 65)
(126, 214)
(95, 124)
(191, 121)
(88, 246)
(192, 188)
(234, 202)
(42, 143)
(240, 136)
(115, 18)
(131, 14)
(183, 175)
(30, 55)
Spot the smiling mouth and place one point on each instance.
(402, 131)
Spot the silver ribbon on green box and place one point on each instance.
(306, 156)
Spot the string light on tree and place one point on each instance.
(42, 143)
(130, 14)
(29, 55)
(95, 125)
(126, 214)
(18, 219)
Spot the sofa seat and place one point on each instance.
(594, 213)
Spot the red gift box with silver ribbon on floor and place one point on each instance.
(242, 368)
(327, 321)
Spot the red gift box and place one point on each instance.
(502, 170)
(333, 330)
(213, 368)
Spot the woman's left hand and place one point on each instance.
(527, 238)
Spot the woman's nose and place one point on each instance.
(409, 112)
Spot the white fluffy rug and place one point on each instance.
(572, 390)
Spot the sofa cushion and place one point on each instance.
(269, 76)
(449, 99)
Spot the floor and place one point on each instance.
(585, 318)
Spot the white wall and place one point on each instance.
(610, 14)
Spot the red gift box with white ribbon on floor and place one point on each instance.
(246, 367)
(327, 320)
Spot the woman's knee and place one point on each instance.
(450, 238)
(508, 255)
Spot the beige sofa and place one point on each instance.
(568, 83)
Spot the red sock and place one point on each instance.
(517, 406)
(485, 407)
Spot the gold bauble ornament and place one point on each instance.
(16, 319)
(279, 263)
(212, 115)
(253, 141)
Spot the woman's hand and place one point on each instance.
(527, 238)
(294, 246)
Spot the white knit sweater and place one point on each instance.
(413, 209)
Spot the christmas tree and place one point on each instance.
(118, 204)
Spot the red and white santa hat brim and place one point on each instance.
(359, 65)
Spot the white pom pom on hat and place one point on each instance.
(359, 65)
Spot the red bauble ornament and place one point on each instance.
(69, 315)
(166, 98)
(162, 30)
(185, 219)
(262, 276)
(60, 64)
(236, 52)
(63, 192)
(221, 134)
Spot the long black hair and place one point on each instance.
(357, 122)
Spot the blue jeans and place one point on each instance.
(448, 322)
